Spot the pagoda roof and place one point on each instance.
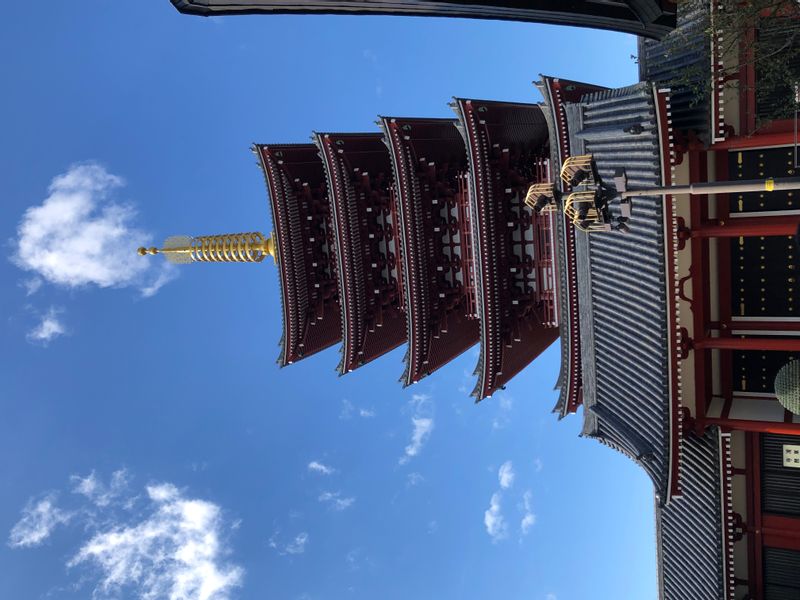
(438, 143)
(649, 18)
(492, 131)
(557, 92)
(359, 174)
(624, 292)
(296, 184)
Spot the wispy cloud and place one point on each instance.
(49, 327)
(528, 518)
(174, 552)
(336, 501)
(96, 491)
(298, 544)
(422, 431)
(318, 467)
(170, 548)
(349, 409)
(505, 475)
(504, 406)
(31, 285)
(78, 236)
(538, 465)
(493, 519)
(39, 519)
(295, 546)
(551, 596)
(422, 422)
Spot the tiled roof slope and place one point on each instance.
(689, 529)
(622, 287)
(681, 62)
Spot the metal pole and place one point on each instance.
(747, 227)
(720, 187)
(748, 343)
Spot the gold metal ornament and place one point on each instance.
(250, 247)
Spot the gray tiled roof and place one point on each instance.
(621, 285)
(681, 61)
(689, 529)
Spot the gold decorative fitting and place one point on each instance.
(229, 247)
(581, 210)
(540, 197)
(578, 170)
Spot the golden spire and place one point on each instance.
(228, 247)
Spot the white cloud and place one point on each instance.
(49, 327)
(505, 404)
(493, 519)
(422, 431)
(551, 597)
(506, 475)
(77, 236)
(298, 544)
(96, 491)
(318, 467)
(31, 285)
(349, 409)
(538, 464)
(294, 546)
(336, 501)
(38, 521)
(175, 552)
(422, 421)
(528, 519)
(527, 522)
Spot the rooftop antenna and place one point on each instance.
(248, 247)
(588, 205)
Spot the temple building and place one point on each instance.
(650, 18)
(516, 225)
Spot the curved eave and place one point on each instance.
(415, 284)
(670, 217)
(477, 185)
(287, 317)
(640, 17)
(349, 316)
(569, 320)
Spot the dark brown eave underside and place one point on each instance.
(640, 17)
(426, 352)
(293, 278)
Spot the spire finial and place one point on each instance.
(229, 247)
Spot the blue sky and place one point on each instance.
(148, 442)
